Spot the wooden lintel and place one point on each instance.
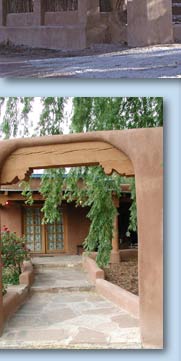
(21, 162)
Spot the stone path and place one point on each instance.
(65, 312)
(148, 62)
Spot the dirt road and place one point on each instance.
(104, 63)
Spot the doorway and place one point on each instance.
(43, 238)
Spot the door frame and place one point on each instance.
(44, 250)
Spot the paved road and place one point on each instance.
(151, 62)
(65, 312)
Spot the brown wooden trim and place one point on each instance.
(65, 225)
(44, 249)
(64, 250)
(25, 206)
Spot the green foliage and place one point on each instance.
(51, 118)
(27, 192)
(13, 249)
(15, 121)
(133, 210)
(4, 288)
(91, 114)
(10, 275)
(26, 103)
(13, 253)
(52, 192)
(9, 125)
(95, 192)
(99, 199)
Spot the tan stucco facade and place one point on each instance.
(75, 223)
(138, 23)
(140, 150)
(149, 22)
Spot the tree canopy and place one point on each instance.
(48, 116)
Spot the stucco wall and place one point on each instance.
(77, 227)
(11, 217)
(147, 24)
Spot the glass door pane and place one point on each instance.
(33, 229)
(55, 236)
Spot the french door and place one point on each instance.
(49, 238)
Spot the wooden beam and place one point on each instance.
(21, 162)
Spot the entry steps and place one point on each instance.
(59, 274)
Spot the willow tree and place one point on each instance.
(88, 114)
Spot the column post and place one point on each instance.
(115, 255)
(39, 12)
(149, 23)
(82, 18)
(3, 12)
(82, 10)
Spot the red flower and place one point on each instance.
(5, 229)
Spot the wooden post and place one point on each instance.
(115, 256)
(39, 12)
(3, 12)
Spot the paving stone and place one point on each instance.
(125, 320)
(86, 335)
(125, 335)
(76, 297)
(58, 315)
(72, 320)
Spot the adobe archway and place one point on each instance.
(128, 152)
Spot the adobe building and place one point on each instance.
(67, 235)
(133, 152)
(76, 24)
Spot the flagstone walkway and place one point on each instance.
(64, 312)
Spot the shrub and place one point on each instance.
(14, 252)
(10, 275)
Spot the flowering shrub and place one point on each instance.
(10, 275)
(14, 252)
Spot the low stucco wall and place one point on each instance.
(27, 276)
(68, 37)
(92, 268)
(17, 295)
(122, 298)
(13, 299)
